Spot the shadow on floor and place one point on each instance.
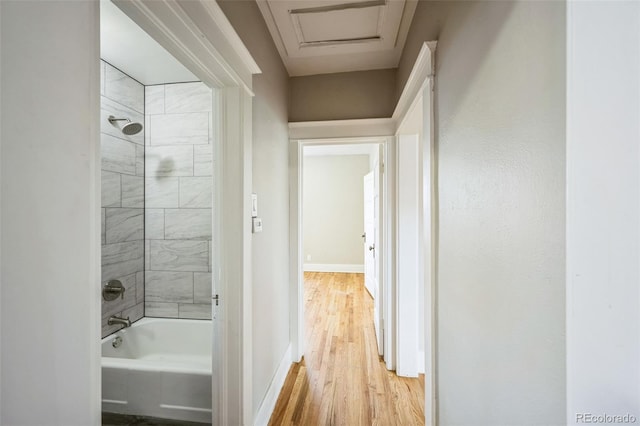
(110, 419)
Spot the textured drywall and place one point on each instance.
(342, 96)
(270, 264)
(500, 134)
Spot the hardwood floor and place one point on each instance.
(342, 380)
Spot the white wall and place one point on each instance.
(603, 209)
(270, 153)
(500, 132)
(50, 213)
(333, 210)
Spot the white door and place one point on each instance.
(369, 235)
(371, 247)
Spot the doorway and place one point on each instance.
(177, 29)
(376, 148)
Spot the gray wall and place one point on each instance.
(500, 130)
(122, 194)
(342, 96)
(333, 209)
(271, 182)
(178, 200)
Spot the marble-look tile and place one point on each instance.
(139, 286)
(154, 99)
(121, 259)
(154, 224)
(161, 310)
(109, 107)
(161, 286)
(187, 224)
(147, 128)
(212, 129)
(109, 329)
(110, 189)
(117, 155)
(202, 287)
(179, 255)
(161, 192)
(134, 313)
(115, 307)
(123, 89)
(195, 192)
(102, 76)
(124, 225)
(140, 160)
(132, 191)
(147, 255)
(193, 311)
(103, 223)
(202, 160)
(169, 161)
(188, 97)
(179, 129)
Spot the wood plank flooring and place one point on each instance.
(342, 380)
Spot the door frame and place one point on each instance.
(200, 36)
(296, 262)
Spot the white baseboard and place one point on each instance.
(421, 368)
(336, 267)
(271, 397)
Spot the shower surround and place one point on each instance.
(178, 200)
(122, 204)
(156, 198)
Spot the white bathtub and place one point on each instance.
(161, 369)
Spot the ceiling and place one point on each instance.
(329, 36)
(343, 149)
(127, 47)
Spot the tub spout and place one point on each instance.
(117, 320)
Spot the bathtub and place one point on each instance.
(161, 369)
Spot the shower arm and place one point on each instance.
(112, 119)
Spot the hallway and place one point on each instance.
(341, 380)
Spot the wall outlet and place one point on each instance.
(308, 257)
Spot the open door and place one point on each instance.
(372, 265)
(369, 235)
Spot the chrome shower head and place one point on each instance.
(130, 128)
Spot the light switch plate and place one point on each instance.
(254, 205)
(257, 225)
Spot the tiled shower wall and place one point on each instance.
(178, 199)
(122, 195)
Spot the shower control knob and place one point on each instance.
(112, 290)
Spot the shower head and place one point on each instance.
(130, 128)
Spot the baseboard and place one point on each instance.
(336, 267)
(421, 368)
(271, 397)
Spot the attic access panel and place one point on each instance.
(310, 28)
(339, 24)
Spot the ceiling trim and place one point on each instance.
(405, 23)
(273, 29)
